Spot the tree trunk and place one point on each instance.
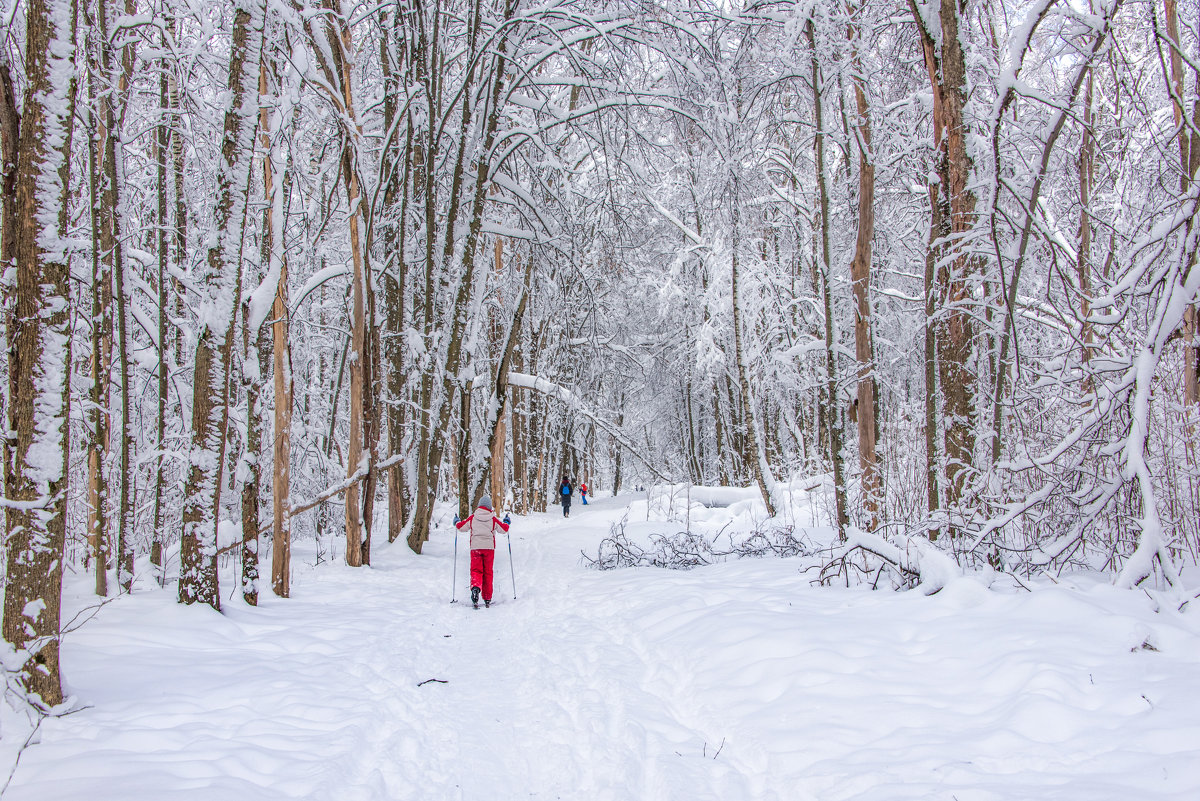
(520, 432)
(181, 209)
(395, 279)
(222, 284)
(955, 335)
(1187, 173)
(162, 144)
(462, 455)
(957, 379)
(10, 132)
(620, 450)
(1083, 266)
(433, 436)
(497, 442)
(938, 231)
(860, 277)
(251, 470)
(281, 451)
(499, 399)
(360, 446)
(833, 414)
(760, 469)
(112, 254)
(37, 447)
(281, 565)
(99, 363)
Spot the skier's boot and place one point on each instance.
(475, 597)
(487, 603)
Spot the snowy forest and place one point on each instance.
(280, 270)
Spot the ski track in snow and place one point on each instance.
(736, 681)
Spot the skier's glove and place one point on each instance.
(506, 520)
(456, 520)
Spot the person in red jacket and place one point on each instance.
(482, 525)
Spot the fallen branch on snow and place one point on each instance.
(919, 562)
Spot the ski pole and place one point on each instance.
(454, 573)
(511, 572)
(508, 521)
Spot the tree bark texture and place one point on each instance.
(198, 547)
(281, 451)
(860, 277)
(957, 346)
(37, 448)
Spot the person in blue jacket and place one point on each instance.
(564, 493)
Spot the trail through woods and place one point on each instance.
(736, 681)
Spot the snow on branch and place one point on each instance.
(919, 560)
(572, 401)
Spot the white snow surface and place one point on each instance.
(736, 681)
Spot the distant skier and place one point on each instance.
(564, 492)
(583, 492)
(482, 525)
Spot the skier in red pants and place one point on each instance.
(482, 525)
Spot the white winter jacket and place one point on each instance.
(483, 525)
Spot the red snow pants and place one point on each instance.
(481, 570)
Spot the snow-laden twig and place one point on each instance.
(685, 550)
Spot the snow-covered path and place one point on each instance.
(737, 681)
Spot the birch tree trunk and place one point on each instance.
(37, 448)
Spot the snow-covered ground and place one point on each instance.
(735, 682)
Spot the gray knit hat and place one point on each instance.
(486, 501)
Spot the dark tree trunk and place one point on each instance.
(37, 449)
(202, 491)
